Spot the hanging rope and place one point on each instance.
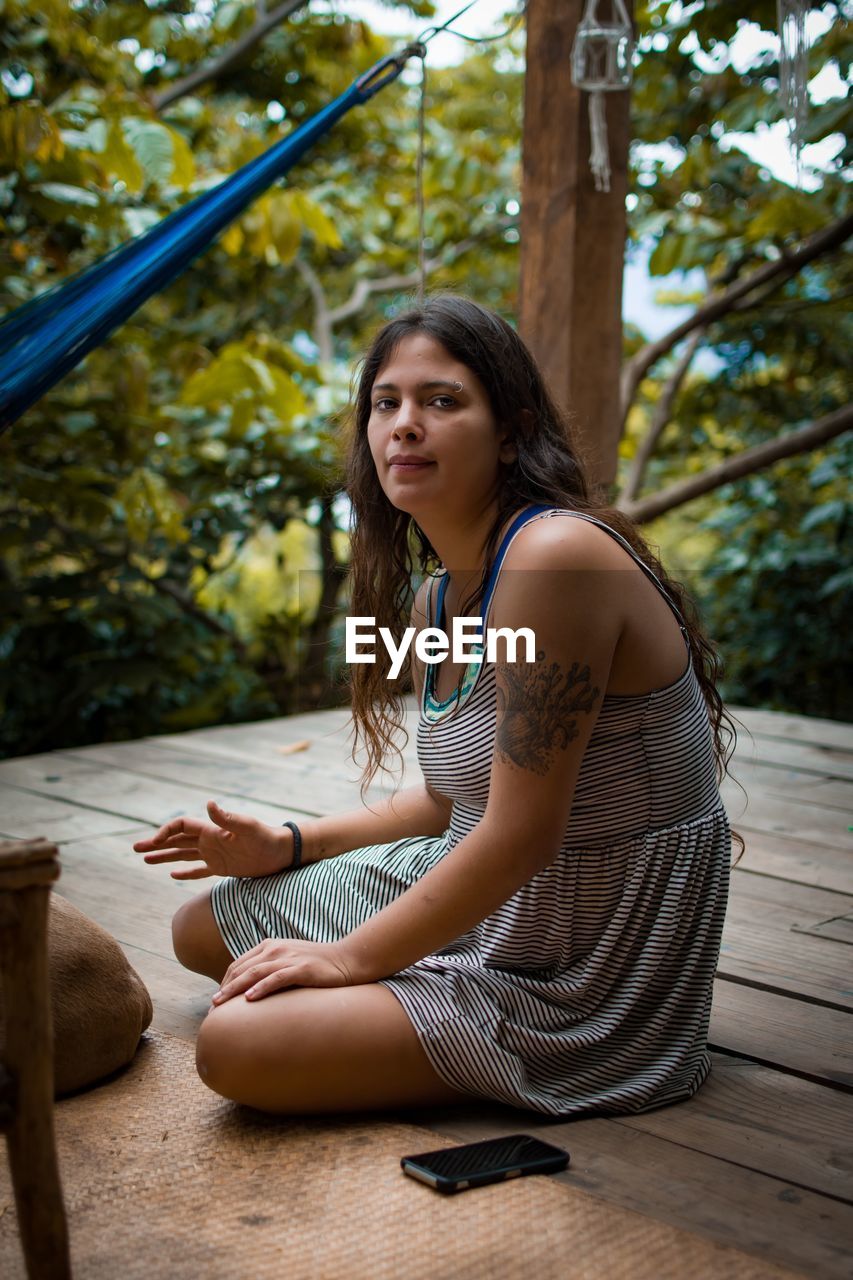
(419, 180)
(448, 30)
(423, 39)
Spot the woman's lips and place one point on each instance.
(403, 464)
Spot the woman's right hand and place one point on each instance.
(231, 844)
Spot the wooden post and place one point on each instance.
(572, 236)
(27, 870)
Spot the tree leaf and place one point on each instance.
(120, 160)
(284, 223)
(316, 220)
(161, 152)
(63, 193)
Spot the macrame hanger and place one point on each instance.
(794, 73)
(601, 63)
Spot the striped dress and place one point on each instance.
(590, 989)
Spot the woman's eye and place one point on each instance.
(444, 402)
(384, 403)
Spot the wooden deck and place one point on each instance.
(761, 1158)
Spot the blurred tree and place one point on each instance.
(206, 428)
(201, 431)
(772, 257)
(747, 399)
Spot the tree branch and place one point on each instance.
(322, 314)
(210, 70)
(408, 279)
(189, 606)
(788, 264)
(660, 418)
(743, 464)
(791, 304)
(333, 574)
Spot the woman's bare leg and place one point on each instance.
(307, 1050)
(312, 1050)
(196, 938)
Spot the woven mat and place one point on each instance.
(164, 1179)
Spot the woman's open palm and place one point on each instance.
(231, 844)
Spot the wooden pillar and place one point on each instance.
(572, 236)
(27, 870)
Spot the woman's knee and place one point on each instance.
(308, 1050)
(196, 940)
(227, 1057)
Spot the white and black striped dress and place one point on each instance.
(590, 989)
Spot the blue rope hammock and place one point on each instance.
(45, 338)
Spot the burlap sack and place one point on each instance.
(99, 1004)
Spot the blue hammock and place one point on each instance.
(45, 338)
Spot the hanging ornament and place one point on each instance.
(794, 72)
(601, 63)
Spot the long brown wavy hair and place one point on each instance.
(389, 551)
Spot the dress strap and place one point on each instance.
(429, 601)
(523, 518)
(623, 542)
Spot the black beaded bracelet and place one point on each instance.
(297, 845)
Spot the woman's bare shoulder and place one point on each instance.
(566, 542)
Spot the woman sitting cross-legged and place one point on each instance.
(539, 922)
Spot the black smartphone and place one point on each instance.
(478, 1163)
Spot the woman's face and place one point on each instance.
(432, 434)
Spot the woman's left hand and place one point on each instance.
(279, 963)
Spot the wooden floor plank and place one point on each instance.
(765, 1120)
(26, 814)
(798, 860)
(810, 967)
(796, 785)
(327, 731)
(267, 735)
(827, 826)
(103, 878)
(761, 944)
(181, 1000)
(101, 799)
(772, 1219)
(786, 903)
(758, 1159)
(780, 753)
(303, 783)
(810, 729)
(784, 1032)
(189, 762)
(838, 928)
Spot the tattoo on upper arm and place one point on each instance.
(538, 709)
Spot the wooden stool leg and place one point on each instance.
(28, 1059)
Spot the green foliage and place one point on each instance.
(702, 202)
(777, 588)
(158, 502)
(751, 552)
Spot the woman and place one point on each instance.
(538, 923)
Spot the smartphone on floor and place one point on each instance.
(478, 1163)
